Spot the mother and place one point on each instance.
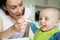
(15, 25)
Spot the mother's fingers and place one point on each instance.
(21, 20)
(20, 26)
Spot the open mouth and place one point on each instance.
(18, 15)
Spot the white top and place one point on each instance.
(7, 24)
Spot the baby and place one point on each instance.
(48, 21)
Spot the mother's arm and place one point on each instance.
(1, 23)
(7, 33)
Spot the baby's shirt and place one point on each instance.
(39, 35)
(56, 36)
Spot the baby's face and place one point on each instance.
(47, 20)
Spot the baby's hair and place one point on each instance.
(56, 9)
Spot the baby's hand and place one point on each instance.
(20, 25)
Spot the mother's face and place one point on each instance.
(15, 8)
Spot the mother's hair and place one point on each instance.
(3, 3)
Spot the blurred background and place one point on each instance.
(34, 5)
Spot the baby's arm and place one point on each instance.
(56, 36)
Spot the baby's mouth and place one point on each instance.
(42, 26)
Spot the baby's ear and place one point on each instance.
(57, 22)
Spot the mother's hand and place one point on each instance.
(20, 24)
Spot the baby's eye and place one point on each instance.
(40, 18)
(46, 18)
